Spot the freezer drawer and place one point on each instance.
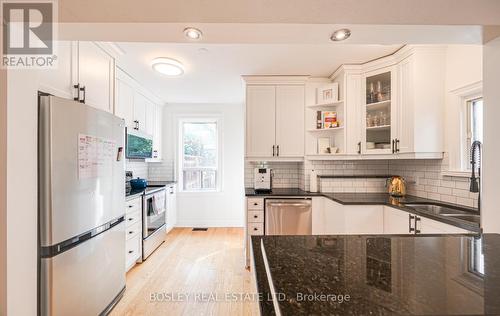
(72, 281)
(288, 217)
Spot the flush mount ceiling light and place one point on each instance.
(192, 33)
(167, 66)
(340, 35)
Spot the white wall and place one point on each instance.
(464, 67)
(218, 209)
(3, 190)
(491, 172)
(21, 225)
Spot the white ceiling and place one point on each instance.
(214, 75)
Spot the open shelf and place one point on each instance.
(378, 128)
(378, 105)
(326, 129)
(331, 104)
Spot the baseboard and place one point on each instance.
(209, 224)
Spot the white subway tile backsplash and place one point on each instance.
(424, 177)
(139, 168)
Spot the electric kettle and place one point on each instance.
(396, 186)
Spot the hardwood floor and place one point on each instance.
(192, 262)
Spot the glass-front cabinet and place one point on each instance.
(378, 129)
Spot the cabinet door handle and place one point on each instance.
(410, 228)
(393, 146)
(136, 127)
(130, 219)
(359, 147)
(255, 216)
(77, 87)
(255, 203)
(255, 228)
(82, 89)
(130, 251)
(417, 219)
(273, 150)
(130, 206)
(397, 145)
(278, 150)
(130, 233)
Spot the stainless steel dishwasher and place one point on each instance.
(288, 217)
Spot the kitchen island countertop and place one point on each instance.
(377, 275)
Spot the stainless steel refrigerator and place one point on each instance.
(81, 208)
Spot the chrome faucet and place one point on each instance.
(475, 159)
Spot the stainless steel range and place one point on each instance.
(154, 228)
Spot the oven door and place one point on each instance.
(154, 212)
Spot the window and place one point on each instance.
(476, 257)
(474, 124)
(199, 155)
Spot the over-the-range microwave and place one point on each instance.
(138, 145)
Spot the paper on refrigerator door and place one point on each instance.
(95, 155)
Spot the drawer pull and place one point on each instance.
(131, 232)
(130, 206)
(255, 203)
(130, 218)
(130, 251)
(255, 216)
(255, 228)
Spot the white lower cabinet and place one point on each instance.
(364, 219)
(171, 207)
(254, 223)
(429, 226)
(396, 221)
(331, 218)
(133, 232)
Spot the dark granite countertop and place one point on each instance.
(381, 199)
(377, 275)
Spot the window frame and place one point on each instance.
(468, 130)
(180, 153)
(459, 151)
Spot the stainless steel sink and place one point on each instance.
(438, 209)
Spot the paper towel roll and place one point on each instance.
(313, 185)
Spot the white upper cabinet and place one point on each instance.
(260, 121)
(84, 72)
(157, 137)
(59, 81)
(275, 117)
(140, 108)
(96, 76)
(124, 107)
(378, 124)
(290, 121)
(401, 106)
(420, 112)
(150, 118)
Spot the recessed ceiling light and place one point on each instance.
(340, 35)
(192, 33)
(168, 66)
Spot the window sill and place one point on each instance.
(456, 173)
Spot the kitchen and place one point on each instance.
(219, 174)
